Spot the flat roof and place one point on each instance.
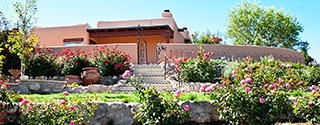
(163, 30)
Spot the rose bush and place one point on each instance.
(74, 60)
(56, 112)
(5, 100)
(309, 106)
(258, 92)
(42, 63)
(110, 62)
(199, 69)
(205, 38)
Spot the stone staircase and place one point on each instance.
(152, 75)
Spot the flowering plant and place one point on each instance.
(255, 91)
(205, 38)
(56, 112)
(309, 107)
(74, 61)
(157, 107)
(200, 69)
(5, 100)
(42, 63)
(110, 62)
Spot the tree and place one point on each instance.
(22, 42)
(249, 23)
(304, 50)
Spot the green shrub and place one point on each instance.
(207, 38)
(74, 61)
(200, 69)
(5, 100)
(110, 62)
(309, 106)
(56, 112)
(42, 63)
(258, 92)
(158, 108)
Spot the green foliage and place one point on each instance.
(74, 61)
(8, 60)
(252, 24)
(5, 99)
(158, 108)
(21, 41)
(42, 63)
(207, 38)
(309, 106)
(258, 92)
(110, 62)
(200, 69)
(66, 111)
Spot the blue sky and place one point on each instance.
(202, 15)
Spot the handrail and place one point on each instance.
(159, 47)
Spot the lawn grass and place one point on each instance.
(106, 97)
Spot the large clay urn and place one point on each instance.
(90, 75)
(15, 73)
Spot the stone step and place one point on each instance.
(148, 70)
(156, 82)
(145, 66)
(151, 74)
(153, 78)
(132, 89)
(148, 85)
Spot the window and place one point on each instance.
(73, 42)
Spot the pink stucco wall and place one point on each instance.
(53, 36)
(232, 52)
(128, 48)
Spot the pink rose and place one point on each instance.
(126, 74)
(248, 80)
(177, 93)
(280, 81)
(204, 86)
(71, 123)
(72, 107)
(66, 93)
(63, 102)
(186, 107)
(209, 89)
(289, 66)
(7, 85)
(313, 87)
(267, 85)
(24, 102)
(311, 103)
(243, 82)
(261, 100)
(288, 85)
(248, 89)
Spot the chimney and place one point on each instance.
(185, 32)
(166, 13)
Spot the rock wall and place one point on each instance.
(118, 113)
(54, 86)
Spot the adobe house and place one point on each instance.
(143, 33)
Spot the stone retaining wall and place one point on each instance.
(52, 86)
(120, 113)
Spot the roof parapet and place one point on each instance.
(166, 13)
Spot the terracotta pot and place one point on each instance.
(72, 78)
(15, 73)
(90, 75)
